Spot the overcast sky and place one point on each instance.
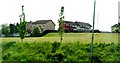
(74, 10)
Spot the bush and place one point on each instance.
(55, 46)
(43, 33)
(58, 52)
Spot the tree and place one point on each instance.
(22, 29)
(16, 28)
(118, 27)
(5, 29)
(61, 23)
(12, 28)
(22, 25)
(36, 31)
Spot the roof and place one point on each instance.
(82, 23)
(68, 22)
(78, 23)
(42, 22)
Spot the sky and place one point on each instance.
(74, 10)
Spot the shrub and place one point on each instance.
(58, 52)
(55, 46)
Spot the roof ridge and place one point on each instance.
(44, 20)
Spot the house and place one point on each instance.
(42, 24)
(70, 26)
(115, 28)
(83, 26)
(77, 26)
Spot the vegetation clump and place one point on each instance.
(58, 52)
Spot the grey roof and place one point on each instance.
(77, 23)
(41, 22)
(68, 22)
(82, 23)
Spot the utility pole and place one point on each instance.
(91, 49)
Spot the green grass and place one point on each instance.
(69, 37)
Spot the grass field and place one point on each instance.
(69, 37)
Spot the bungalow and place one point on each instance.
(42, 24)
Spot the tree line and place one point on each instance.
(9, 29)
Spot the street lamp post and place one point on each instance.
(91, 49)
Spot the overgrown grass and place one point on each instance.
(56, 51)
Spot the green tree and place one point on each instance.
(22, 25)
(22, 29)
(16, 28)
(12, 28)
(36, 31)
(61, 23)
(119, 27)
(5, 29)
